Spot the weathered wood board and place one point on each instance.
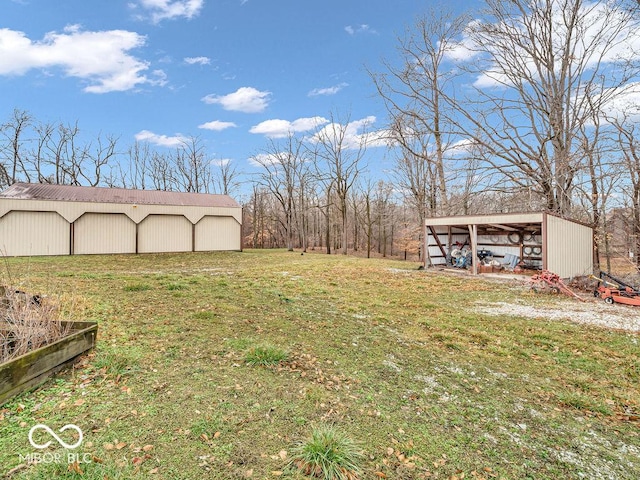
(33, 368)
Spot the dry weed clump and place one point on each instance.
(28, 322)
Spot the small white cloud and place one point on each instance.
(197, 60)
(158, 10)
(364, 28)
(217, 125)
(264, 159)
(101, 58)
(221, 162)
(160, 140)
(464, 49)
(327, 91)
(245, 99)
(356, 134)
(282, 128)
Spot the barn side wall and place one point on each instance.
(569, 247)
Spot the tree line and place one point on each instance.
(527, 105)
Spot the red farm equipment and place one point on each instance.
(613, 290)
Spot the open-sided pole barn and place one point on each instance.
(540, 240)
(42, 219)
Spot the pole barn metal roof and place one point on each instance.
(71, 193)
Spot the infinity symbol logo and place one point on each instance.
(53, 434)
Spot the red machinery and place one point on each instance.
(614, 290)
(553, 282)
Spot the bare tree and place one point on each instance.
(413, 95)
(98, 156)
(338, 152)
(227, 178)
(162, 172)
(12, 162)
(192, 168)
(283, 165)
(139, 165)
(543, 67)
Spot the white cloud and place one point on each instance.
(464, 146)
(465, 49)
(197, 60)
(599, 42)
(364, 28)
(282, 128)
(160, 140)
(264, 159)
(327, 91)
(158, 10)
(625, 103)
(356, 134)
(217, 125)
(101, 58)
(221, 162)
(245, 99)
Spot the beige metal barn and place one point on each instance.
(42, 219)
(538, 240)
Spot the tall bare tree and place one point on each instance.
(282, 168)
(413, 94)
(338, 151)
(192, 167)
(543, 67)
(12, 161)
(227, 177)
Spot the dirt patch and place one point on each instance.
(618, 317)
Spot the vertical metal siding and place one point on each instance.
(34, 233)
(164, 233)
(96, 233)
(569, 247)
(217, 233)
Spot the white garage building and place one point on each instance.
(42, 219)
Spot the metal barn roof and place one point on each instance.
(70, 193)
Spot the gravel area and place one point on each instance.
(620, 317)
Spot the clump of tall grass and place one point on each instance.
(265, 355)
(329, 455)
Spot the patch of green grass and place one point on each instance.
(265, 355)
(137, 287)
(328, 454)
(580, 401)
(239, 344)
(117, 362)
(205, 315)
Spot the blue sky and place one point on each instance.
(234, 72)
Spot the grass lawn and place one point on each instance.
(218, 366)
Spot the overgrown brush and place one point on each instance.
(28, 322)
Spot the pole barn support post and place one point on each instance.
(473, 238)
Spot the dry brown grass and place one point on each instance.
(27, 322)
